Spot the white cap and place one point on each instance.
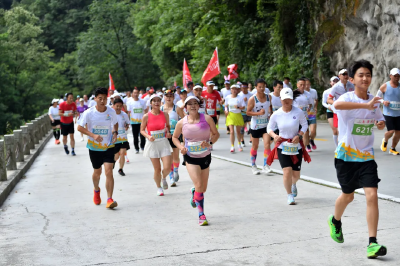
(191, 98)
(235, 86)
(81, 99)
(198, 87)
(155, 95)
(210, 83)
(335, 77)
(286, 93)
(160, 93)
(342, 71)
(395, 71)
(54, 101)
(164, 89)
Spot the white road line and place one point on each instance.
(309, 179)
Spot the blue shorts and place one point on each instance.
(312, 121)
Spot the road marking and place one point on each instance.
(310, 179)
(321, 139)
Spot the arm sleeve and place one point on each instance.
(303, 122)
(379, 93)
(272, 123)
(324, 98)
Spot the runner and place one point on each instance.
(55, 120)
(276, 99)
(312, 114)
(67, 112)
(245, 95)
(225, 92)
(80, 109)
(156, 122)
(122, 143)
(304, 102)
(218, 106)
(102, 132)
(190, 89)
(136, 109)
(356, 168)
(211, 97)
(234, 104)
(198, 90)
(329, 107)
(390, 92)
(85, 100)
(289, 143)
(61, 99)
(259, 107)
(197, 129)
(180, 104)
(286, 83)
(173, 113)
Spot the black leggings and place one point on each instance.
(136, 133)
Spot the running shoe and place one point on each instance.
(160, 192)
(290, 199)
(73, 153)
(126, 159)
(121, 172)
(227, 132)
(172, 183)
(250, 142)
(192, 203)
(266, 169)
(55, 142)
(137, 151)
(211, 148)
(294, 190)
(142, 149)
(176, 176)
(308, 148)
(232, 149)
(336, 233)
(393, 151)
(245, 129)
(111, 204)
(374, 250)
(384, 145)
(240, 148)
(164, 183)
(203, 220)
(313, 146)
(66, 149)
(96, 197)
(255, 170)
(58, 141)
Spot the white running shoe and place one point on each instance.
(172, 183)
(255, 170)
(160, 192)
(290, 199)
(266, 169)
(232, 149)
(240, 148)
(164, 183)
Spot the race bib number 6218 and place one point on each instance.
(363, 127)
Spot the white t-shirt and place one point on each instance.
(325, 98)
(136, 109)
(190, 94)
(275, 102)
(289, 85)
(356, 136)
(225, 92)
(92, 103)
(123, 119)
(233, 103)
(338, 89)
(60, 101)
(288, 123)
(246, 98)
(303, 101)
(99, 123)
(53, 111)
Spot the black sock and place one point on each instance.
(393, 149)
(65, 146)
(336, 222)
(384, 144)
(58, 134)
(55, 133)
(308, 146)
(373, 240)
(312, 142)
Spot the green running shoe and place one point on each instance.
(336, 234)
(374, 250)
(192, 203)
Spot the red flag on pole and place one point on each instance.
(212, 69)
(186, 74)
(232, 70)
(111, 86)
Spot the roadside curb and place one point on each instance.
(310, 179)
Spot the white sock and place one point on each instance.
(335, 139)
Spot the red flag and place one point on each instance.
(232, 69)
(175, 83)
(212, 69)
(186, 74)
(111, 86)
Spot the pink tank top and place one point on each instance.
(195, 134)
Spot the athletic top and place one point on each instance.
(393, 96)
(356, 137)
(67, 108)
(226, 92)
(288, 123)
(99, 123)
(211, 104)
(137, 110)
(195, 134)
(313, 97)
(92, 103)
(190, 94)
(232, 103)
(53, 111)
(275, 101)
(81, 109)
(246, 98)
(156, 125)
(123, 119)
(173, 118)
(338, 89)
(260, 121)
(325, 98)
(302, 102)
(202, 109)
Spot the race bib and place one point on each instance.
(68, 112)
(195, 148)
(232, 107)
(202, 110)
(394, 105)
(158, 134)
(172, 124)
(363, 127)
(262, 122)
(121, 131)
(290, 148)
(210, 111)
(101, 130)
(138, 110)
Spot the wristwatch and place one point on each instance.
(300, 137)
(115, 132)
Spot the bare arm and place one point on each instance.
(143, 126)
(341, 105)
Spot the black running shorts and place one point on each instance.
(98, 158)
(392, 123)
(67, 129)
(355, 175)
(286, 160)
(329, 115)
(204, 162)
(171, 143)
(215, 119)
(119, 146)
(56, 123)
(258, 133)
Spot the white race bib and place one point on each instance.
(202, 110)
(195, 148)
(158, 134)
(210, 111)
(262, 122)
(101, 130)
(394, 105)
(290, 148)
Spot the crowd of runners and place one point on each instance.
(169, 124)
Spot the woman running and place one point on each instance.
(81, 107)
(155, 127)
(329, 112)
(234, 104)
(55, 120)
(197, 129)
(174, 113)
(289, 143)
